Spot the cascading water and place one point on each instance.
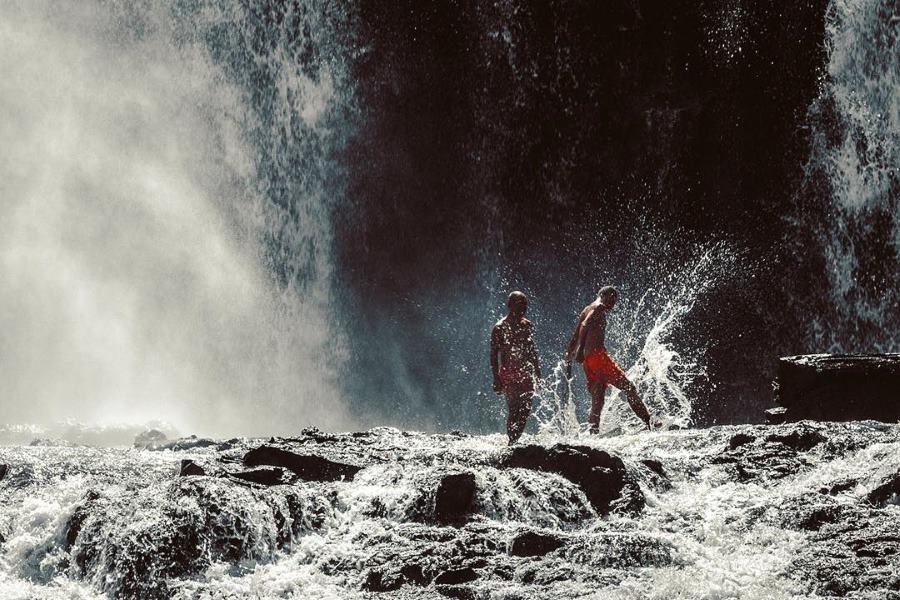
(853, 180)
(745, 512)
(165, 240)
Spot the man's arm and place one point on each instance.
(582, 335)
(573, 341)
(495, 359)
(533, 353)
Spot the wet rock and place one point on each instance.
(776, 415)
(76, 521)
(839, 387)
(190, 469)
(187, 443)
(617, 551)
(456, 576)
(197, 522)
(532, 543)
(377, 581)
(778, 454)
(308, 467)
(273, 476)
(839, 487)
(151, 439)
(655, 466)
(856, 554)
(802, 439)
(602, 476)
(739, 440)
(4, 469)
(415, 574)
(655, 475)
(459, 592)
(888, 492)
(454, 499)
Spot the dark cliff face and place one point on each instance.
(518, 144)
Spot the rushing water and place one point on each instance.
(713, 527)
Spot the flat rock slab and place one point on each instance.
(306, 466)
(839, 387)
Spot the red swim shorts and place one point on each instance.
(600, 366)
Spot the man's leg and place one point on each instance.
(634, 401)
(598, 395)
(519, 402)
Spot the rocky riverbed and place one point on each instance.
(799, 510)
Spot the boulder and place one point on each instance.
(377, 581)
(4, 469)
(602, 476)
(454, 499)
(189, 469)
(739, 440)
(776, 416)
(307, 467)
(886, 492)
(839, 387)
(532, 543)
(802, 439)
(456, 576)
(271, 476)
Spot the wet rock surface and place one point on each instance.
(602, 476)
(791, 510)
(455, 498)
(532, 543)
(839, 387)
(306, 466)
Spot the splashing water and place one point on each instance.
(556, 413)
(665, 376)
(666, 373)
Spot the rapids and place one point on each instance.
(791, 511)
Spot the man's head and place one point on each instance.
(517, 304)
(608, 296)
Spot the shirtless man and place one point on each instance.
(588, 346)
(514, 363)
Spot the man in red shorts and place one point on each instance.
(514, 363)
(588, 346)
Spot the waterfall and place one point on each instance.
(852, 180)
(167, 187)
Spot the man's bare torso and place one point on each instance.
(515, 342)
(593, 322)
